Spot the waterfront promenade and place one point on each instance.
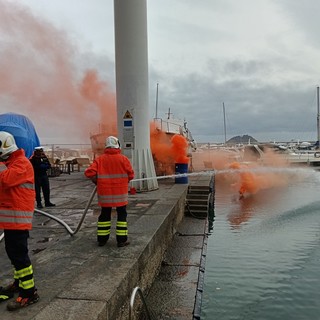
(75, 278)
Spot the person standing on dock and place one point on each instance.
(111, 172)
(41, 165)
(16, 213)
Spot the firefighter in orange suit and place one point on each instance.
(111, 172)
(16, 211)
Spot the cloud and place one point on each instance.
(41, 80)
(258, 57)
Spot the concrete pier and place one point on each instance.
(75, 278)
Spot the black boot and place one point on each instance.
(8, 291)
(49, 204)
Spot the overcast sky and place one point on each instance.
(260, 58)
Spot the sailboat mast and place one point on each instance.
(224, 122)
(318, 121)
(157, 101)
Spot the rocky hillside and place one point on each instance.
(245, 139)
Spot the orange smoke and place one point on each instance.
(160, 145)
(248, 182)
(99, 93)
(39, 79)
(167, 150)
(213, 158)
(243, 176)
(251, 179)
(179, 148)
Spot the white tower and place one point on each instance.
(132, 87)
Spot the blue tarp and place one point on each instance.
(22, 129)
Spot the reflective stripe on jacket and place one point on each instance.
(113, 171)
(17, 195)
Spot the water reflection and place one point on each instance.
(211, 213)
(263, 253)
(243, 212)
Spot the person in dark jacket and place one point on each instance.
(41, 164)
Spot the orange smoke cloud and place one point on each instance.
(179, 148)
(167, 150)
(39, 79)
(248, 182)
(247, 177)
(160, 145)
(98, 93)
(251, 179)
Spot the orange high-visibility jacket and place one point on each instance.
(113, 171)
(17, 193)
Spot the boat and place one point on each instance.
(98, 139)
(289, 154)
(172, 126)
(161, 133)
(295, 153)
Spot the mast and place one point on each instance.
(224, 122)
(169, 114)
(318, 121)
(157, 101)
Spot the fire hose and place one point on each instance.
(73, 232)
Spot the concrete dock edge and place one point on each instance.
(77, 279)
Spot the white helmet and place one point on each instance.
(7, 145)
(112, 142)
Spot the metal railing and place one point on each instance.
(132, 299)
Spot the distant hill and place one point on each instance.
(245, 139)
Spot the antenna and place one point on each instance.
(169, 114)
(157, 101)
(318, 128)
(224, 122)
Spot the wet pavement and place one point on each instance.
(176, 292)
(76, 279)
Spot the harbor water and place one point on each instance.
(263, 253)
